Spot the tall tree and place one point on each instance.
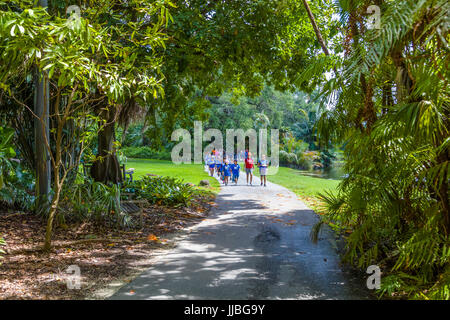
(74, 55)
(41, 131)
(390, 106)
(214, 46)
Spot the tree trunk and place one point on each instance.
(316, 28)
(317, 31)
(52, 214)
(41, 109)
(403, 80)
(41, 131)
(106, 168)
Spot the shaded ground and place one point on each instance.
(103, 254)
(254, 245)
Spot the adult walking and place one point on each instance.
(249, 167)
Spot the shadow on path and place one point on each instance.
(255, 245)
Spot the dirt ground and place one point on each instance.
(102, 254)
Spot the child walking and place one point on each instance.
(222, 170)
(235, 168)
(226, 172)
(218, 166)
(263, 164)
(211, 166)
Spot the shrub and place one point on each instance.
(98, 202)
(288, 158)
(303, 161)
(18, 188)
(327, 158)
(310, 160)
(163, 190)
(283, 157)
(15, 185)
(306, 160)
(292, 158)
(94, 201)
(145, 153)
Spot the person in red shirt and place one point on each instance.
(249, 167)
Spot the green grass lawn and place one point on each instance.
(305, 187)
(192, 173)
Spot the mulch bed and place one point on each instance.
(103, 254)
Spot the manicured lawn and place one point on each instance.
(192, 173)
(301, 184)
(307, 188)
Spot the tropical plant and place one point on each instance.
(163, 190)
(16, 185)
(145, 153)
(18, 188)
(90, 73)
(304, 161)
(6, 152)
(94, 201)
(390, 106)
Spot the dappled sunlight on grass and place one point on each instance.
(192, 173)
(307, 188)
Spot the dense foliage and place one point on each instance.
(237, 46)
(162, 190)
(383, 93)
(391, 108)
(88, 200)
(91, 73)
(16, 184)
(295, 114)
(93, 201)
(145, 152)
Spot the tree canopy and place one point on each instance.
(215, 46)
(379, 90)
(390, 105)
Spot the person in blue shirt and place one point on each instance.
(263, 164)
(221, 170)
(211, 166)
(226, 172)
(235, 168)
(218, 166)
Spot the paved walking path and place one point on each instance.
(254, 245)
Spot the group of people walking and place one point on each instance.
(229, 172)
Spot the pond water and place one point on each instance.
(334, 173)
